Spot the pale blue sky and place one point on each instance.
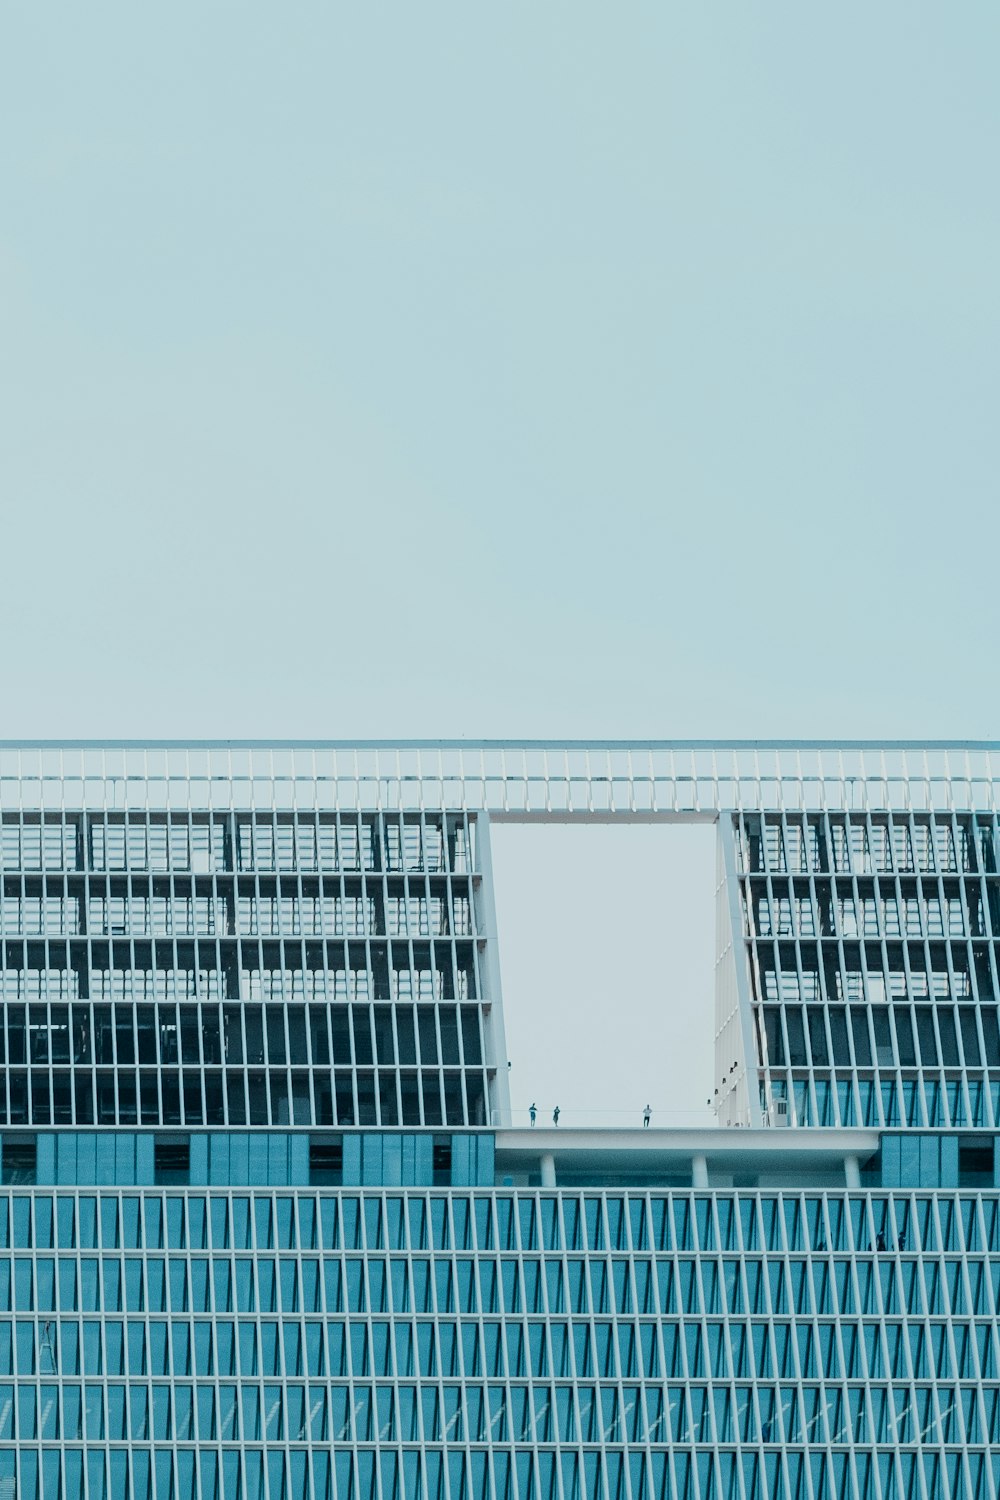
(509, 370)
(465, 369)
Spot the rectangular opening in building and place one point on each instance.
(19, 1161)
(622, 920)
(975, 1162)
(442, 1161)
(326, 1160)
(172, 1161)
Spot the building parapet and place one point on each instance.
(679, 1158)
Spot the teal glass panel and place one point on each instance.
(45, 1158)
(949, 1161)
(908, 1163)
(200, 1175)
(424, 1160)
(352, 1160)
(392, 1160)
(298, 1171)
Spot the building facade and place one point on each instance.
(269, 1232)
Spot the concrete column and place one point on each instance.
(548, 1165)
(699, 1171)
(852, 1172)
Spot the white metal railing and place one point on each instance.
(527, 779)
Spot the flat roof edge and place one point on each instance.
(620, 746)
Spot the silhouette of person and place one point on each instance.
(880, 1241)
(555, 1115)
(647, 1115)
(532, 1114)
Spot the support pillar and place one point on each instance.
(548, 1164)
(699, 1171)
(852, 1172)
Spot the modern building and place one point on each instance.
(268, 1231)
